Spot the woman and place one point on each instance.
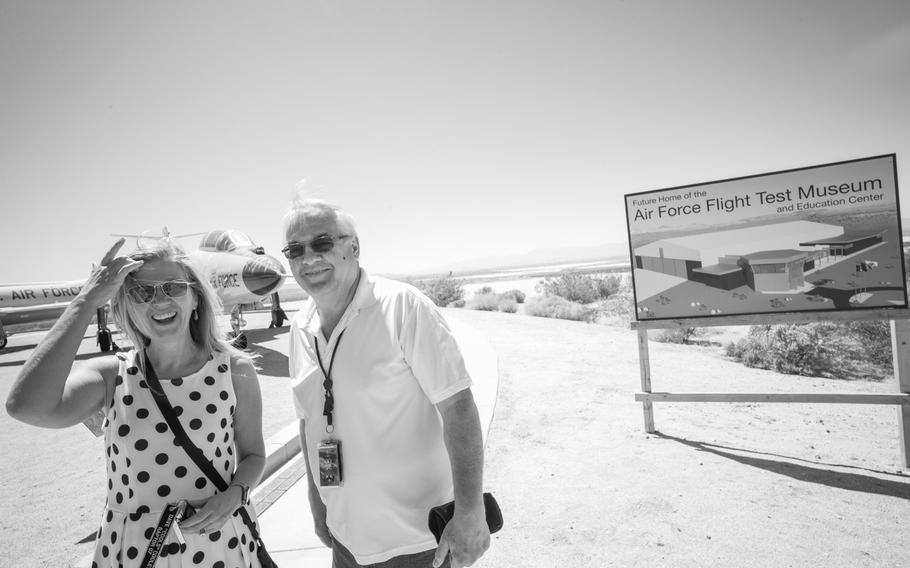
(168, 311)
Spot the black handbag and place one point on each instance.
(200, 460)
(440, 515)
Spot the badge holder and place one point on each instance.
(330, 470)
(331, 473)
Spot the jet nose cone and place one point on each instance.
(263, 275)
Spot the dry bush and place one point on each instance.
(581, 288)
(516, 295)
(491, 302)
(683, 335)
(618, 309)
(487, 302)
(507, 304)
(822, 349)
(558, 307)
(443, 291)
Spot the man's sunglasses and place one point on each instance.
(143, 293)
(321, 244)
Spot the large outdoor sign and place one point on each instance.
(821, 238)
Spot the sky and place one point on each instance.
(450, 130)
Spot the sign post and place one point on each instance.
(900, 344)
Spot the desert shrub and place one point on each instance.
(683, 335)
(752, 350)
(443, 291)
(813, 349)
(456, 304)
(507, 304)
(492, 302)
(581, 288)
(516, 295)
(826, 349)
(549, 306)
(488, 302)
(570, 286)
(876, 336)
(485, 290)
(619, 308)
(609, 285)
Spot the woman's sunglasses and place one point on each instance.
(321, 244)
(143, 293)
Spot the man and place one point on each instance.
(387, 419)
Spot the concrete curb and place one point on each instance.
(280, 449)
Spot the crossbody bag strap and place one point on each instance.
(184, 441)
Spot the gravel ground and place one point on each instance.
(721, 484)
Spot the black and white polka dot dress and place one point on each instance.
(146, 470)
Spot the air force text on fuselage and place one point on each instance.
(21, 295)
(231, 280)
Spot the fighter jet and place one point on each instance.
(240, 271)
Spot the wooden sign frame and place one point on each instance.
(900, 344)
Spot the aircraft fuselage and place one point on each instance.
(24, 295)
(239, 278)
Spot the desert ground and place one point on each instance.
(579, 481)
(746, 485)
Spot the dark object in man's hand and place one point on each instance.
(442, 514)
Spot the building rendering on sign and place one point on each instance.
(767, 258)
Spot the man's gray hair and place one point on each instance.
(303, 203)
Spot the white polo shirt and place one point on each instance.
(395, 359)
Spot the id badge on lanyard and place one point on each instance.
(330, 471)
(329, 449)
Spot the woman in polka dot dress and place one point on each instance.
(168, 311)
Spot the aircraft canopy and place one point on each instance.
(225, 240)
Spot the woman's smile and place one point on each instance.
(165, 317)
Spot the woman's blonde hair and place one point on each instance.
(204, 328)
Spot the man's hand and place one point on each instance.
(466, 537)
(317, 507)
(318, 510)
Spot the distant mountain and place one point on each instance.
(562, 255)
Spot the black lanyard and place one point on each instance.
(329, 405)
(171, 513)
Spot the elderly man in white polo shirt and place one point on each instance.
(387, 419)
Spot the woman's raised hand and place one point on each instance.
(108, 277)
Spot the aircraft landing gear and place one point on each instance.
(278, 315)
(239, 340)
(104, 334)
(237, 322)
(3, 339)
(104, 340)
